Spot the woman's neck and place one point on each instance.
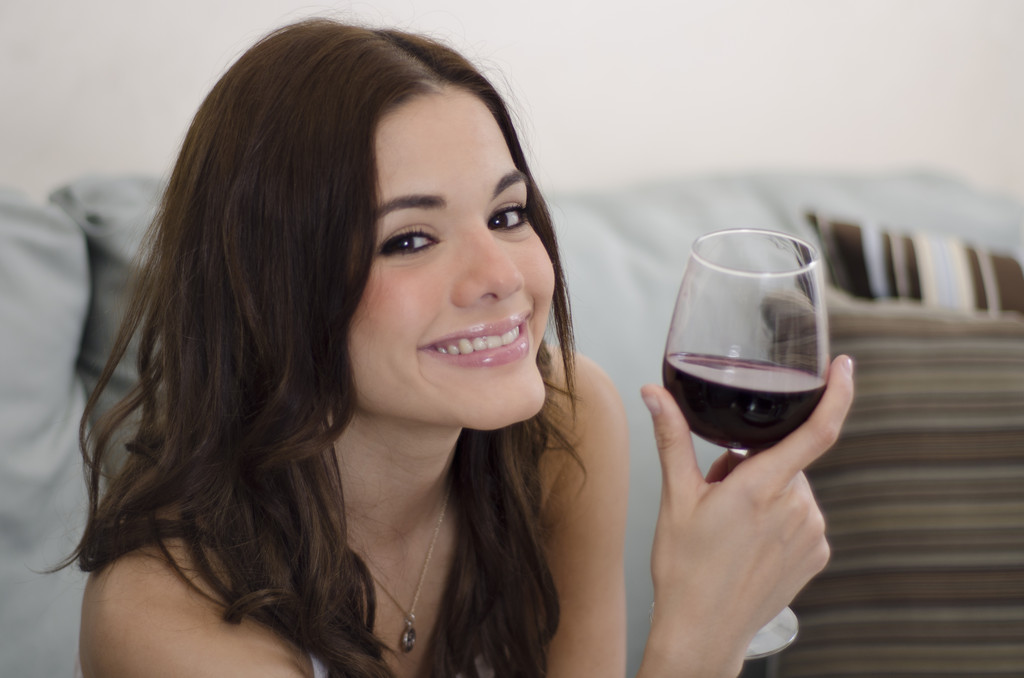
(396, 486)
(394, 481)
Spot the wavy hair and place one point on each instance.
(252, 271)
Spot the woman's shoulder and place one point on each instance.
(597, 408)
(141, 618)
(594, 424)
(585, 516)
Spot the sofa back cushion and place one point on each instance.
(44, 296)
(114, 212)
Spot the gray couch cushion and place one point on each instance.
(44, 295)
(114, 212)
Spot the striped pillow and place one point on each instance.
(923, 497)
(939, 271)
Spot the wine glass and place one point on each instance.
(747, 352)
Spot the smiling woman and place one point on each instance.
(346, 201)
(352, 452)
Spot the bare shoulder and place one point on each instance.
(140, 619)
(585, 513)
(598, 407)
(598, 398)
(596, 428)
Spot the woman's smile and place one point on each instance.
(486, 345)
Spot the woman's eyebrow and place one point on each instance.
(424, 201)
(511, 179)
(411, 202)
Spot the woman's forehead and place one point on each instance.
(435, 136)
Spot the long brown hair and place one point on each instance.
(254, 267)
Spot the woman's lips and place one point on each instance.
(486, 346)
(465, 345)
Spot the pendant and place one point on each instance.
(408, 637)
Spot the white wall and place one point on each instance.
(609, 92)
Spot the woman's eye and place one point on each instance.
(406, 243)
(508, 219)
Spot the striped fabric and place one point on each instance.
(924, 501)
(939, 271)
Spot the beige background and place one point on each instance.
(608, 93)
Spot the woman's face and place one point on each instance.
(457, 302)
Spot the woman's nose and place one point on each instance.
(487, 271)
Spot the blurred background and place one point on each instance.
(608, 93)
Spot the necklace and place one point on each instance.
(407, 641)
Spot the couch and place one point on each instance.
(923, 494)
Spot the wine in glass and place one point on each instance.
(747, 352)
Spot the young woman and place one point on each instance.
(352, 452)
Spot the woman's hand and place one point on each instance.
(734, 548)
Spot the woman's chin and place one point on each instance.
(506, 413)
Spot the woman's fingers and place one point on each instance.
(723, 466)
(780, 464)
(672, 436)
(777, 466)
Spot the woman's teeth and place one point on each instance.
(464, 346)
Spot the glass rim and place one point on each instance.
(813, 262)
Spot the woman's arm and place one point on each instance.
(586, 514)
(140, 620)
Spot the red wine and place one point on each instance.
(742, 404)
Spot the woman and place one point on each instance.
(352, 453)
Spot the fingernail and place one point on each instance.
(847, 364)
(652, 402)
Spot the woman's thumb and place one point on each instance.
(671, 435)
